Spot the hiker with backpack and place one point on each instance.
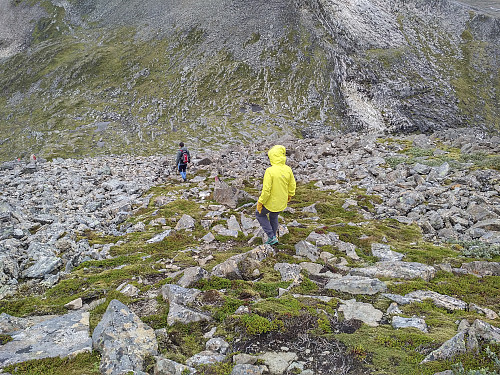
(277, 189)
(183, 158)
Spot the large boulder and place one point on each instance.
(61, 336)
(123, 340)
(229, 195)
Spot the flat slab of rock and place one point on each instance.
(401, 300)
(357, 285)
(181, 314)
(397, 270)
(418, 323)
(62, 336)
(440, 300)
(123, 340)
(10, 324)
(361, 311)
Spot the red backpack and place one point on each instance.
(184, 157)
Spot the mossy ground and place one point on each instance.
(381, 350)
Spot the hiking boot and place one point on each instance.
(272, 241)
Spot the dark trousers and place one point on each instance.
(269, 225)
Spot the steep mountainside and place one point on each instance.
(86, 77)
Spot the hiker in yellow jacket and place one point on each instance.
(277, 190)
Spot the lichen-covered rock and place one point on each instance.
(397, 270)
(177, 294)
(192, 275)
(288, 271)
(357, 285)
(452, 347)
(61, 336)
(123, 340)
(184, 315)
(165, 366)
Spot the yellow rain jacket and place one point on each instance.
(279, 182)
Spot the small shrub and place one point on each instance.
(478, 249)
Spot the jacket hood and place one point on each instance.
(277, 155)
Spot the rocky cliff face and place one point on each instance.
(93, 77)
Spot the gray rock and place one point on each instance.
(491, 225)
(128, 289)
(310, 209)
(316, 269)
(384, 252)
(397, 270)
(435, 220)
(361, 311)
(233, 225)
(307, 249)
(10, 324)
(278, 362)
(160, 237)
(319, 239)
(217, 344)
(165, 366)
(177, 294)
(393, 309)
(357, 285)
(43, 266)
(401, 300)
(245, 359)
(229, 195)
(192, 275)
(185, 222)
(208, 238)
(123, 340)
(348, 248)
(418, 323)
(62, 336)
(486, 331)
(482, 268)
(181, 314)
(452, 347)
(241, 265)
(248, 370)
(421, 168)
(288, 271)
(440, 300)
(76, 304)
(206, 357)
(490, 314)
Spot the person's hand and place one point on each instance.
(289, 198)
(259, 207)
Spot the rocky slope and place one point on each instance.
(389, 261)
(100, 77)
